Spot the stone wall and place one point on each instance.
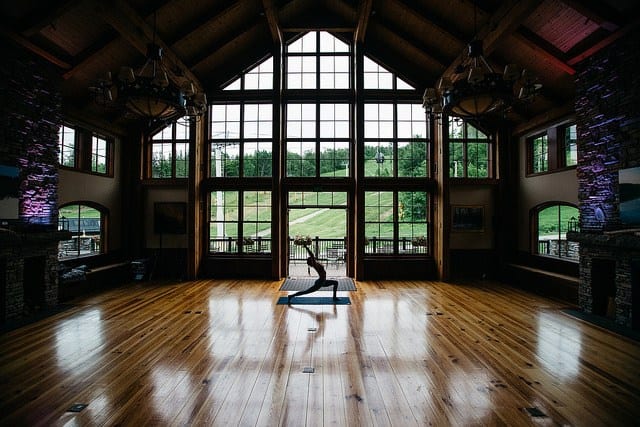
(608, 122)
(31, 117)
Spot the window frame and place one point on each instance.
(535, 232)
(318, 139)
(317, 54)
(556, 145)
(62, 143)
(466, 141)
(243, 243)
(562, 145)
(242, 141)
(173, 142)
(84, 151)
(102, 235)
(420, 244)
(396, 142)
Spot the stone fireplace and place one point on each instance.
(28, 271)
(610, 274)
(31, 112)
(608, 122)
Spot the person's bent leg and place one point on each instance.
(333, 283)
(313, 288)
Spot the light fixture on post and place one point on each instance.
(474, 89)
(149, 93)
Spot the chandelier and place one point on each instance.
(475, 89)
(148, 93)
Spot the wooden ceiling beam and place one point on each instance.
(34, 49)
(415, 45)
(502, 24)
(604, 43)
(214, 18)
(530, 39)
(46, 16)
(364, 13)
(432, 21)
(271, 14)
(95, 52)
(135, 30)
(548, 116)
(598, 12)
(206, 51)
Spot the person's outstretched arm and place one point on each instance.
(310, 253)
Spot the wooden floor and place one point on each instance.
(404, 353)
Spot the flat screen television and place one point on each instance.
(629, 184)
(9, 192)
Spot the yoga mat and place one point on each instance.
(295, 284)
(303, 300)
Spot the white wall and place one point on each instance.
(561, 186)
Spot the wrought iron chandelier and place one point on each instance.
(475, 89)
(149, 93)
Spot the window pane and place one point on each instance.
(257, 159)
(553, 224)
(98, 155)
(182, 160)
(412, 159)
(378, 159)
(334, 158)
(412, 122)
(85, 224)
(570, 146)
(225, 121)
(225, 160)
(223, 221)
(540, 154)
(161, 156)
(67, 144)
(301, 158)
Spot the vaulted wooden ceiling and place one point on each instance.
(212, 41)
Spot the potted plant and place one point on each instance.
(302, 240)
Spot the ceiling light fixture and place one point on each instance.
(149, 93)
(474, 89)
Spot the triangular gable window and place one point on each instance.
(402, 85)
(259, 77)
(378, 77)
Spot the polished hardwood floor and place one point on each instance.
(222, 352)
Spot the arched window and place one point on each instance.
(86, 223)
(552, 221)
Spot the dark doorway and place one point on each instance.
(3, 289)
(603, 286)
(33, 283)
(635, 294)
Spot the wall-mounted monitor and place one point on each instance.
(170, 218)
(629, 184)
(9, 192)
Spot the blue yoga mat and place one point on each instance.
(315, 301)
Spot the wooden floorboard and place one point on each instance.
(222, 352)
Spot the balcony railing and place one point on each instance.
(377, 245)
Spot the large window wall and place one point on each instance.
(318, 133)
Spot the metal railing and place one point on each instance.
(257, 245)
(328, 250)
(377, 245)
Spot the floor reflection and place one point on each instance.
(77, 337)
(559, 346)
